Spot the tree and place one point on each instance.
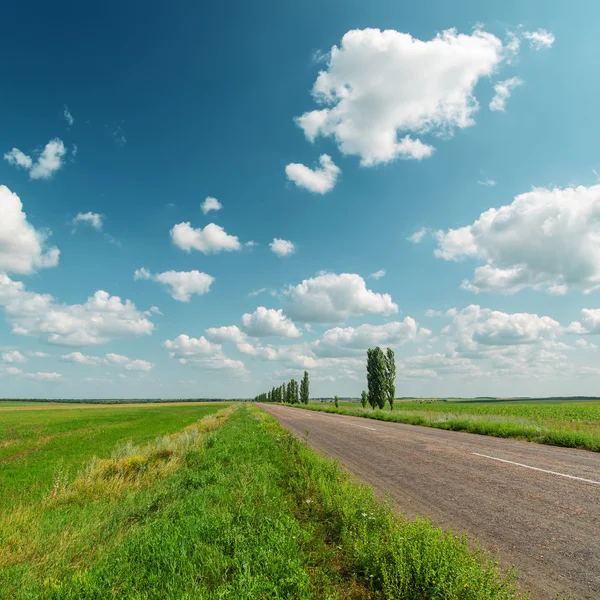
(336, 401)
(376, 377)
(304, 389)
(363, 399)
(390, 376)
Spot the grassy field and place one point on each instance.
(230, 507)
(571, 424)
(39, 443)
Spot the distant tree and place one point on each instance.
(376, 377)
(304, 389)
(294, 392)
(390, 376)
(364, 399)
(336, 401)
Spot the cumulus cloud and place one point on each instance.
(268, 322)
(502, 92)
(319, 181)
(589, 323)
(12, 356)
(210, 204)
(539, 39)
(381, 87)
(378, 274)
(183, 284)
(48, 162)
(81, 359)
(200, 352)
(545, 239)
(68, 116)
(344, 341)
(41, 376)
(417, 236)
(98, 320)
(138, 365)
(228, 334)
(92, 219)
(211, 239)
(333, 298)
(117, 359)
(282, 247)
(23, 248)
(585, 345)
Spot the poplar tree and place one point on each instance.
(304, 389)
(363, 399)
(390, 376)
(336, 401)
(376, 377)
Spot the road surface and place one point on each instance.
(539, 506)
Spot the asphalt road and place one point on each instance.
(538, 506)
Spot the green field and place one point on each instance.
(39, 442)
(228, 506)
(572, 424)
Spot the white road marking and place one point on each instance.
(510, 462)
(355, 425)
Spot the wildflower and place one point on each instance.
(364, 514)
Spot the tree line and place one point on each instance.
(290, 393)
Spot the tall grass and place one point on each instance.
(531, 423)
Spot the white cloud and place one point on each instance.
(266, 322)
(45, 376)
(138, 365)
(417, 236)
(379, 85)
(48, 162)
(22, 248)
(201, 352)
(68, 116)
(539, 39)
(13, 356)
(183, 284)
(212, 238)
(13, 371)
(282, 247)
(590, 322)
(378, 274)
(81, 359)
(117, 359)
(487, 182)
(319, 181)
(333, 298)
(503, 91)
(227, 334)
(546, 239)
(38, 354)
(343, 341)
(98, 320)
(210, 204)
(585, 345)
(257, 292)
(92, 219)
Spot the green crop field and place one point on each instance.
(101, 503)
(569, 423)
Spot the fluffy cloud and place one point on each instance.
(210, 204)
(539, 39)
(227, 334)
(98, 320)
(349, 340)
(45, 376)
(427, 365)
(474, 329)
(12, 356)
(22, 248)
(268, 322)
(48, 162)
(183, 284)
(333, 298)
(378, 274)
(212, 238)
(282, 247)
(92, 219)
(138, 365)
(68, 116)
(319, 181)
(546, 239)
(379, 85)
(417, 236)
(503, 91)
(201, 352)
(590, 322)
(81, 359)
(585, 345)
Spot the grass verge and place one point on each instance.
(246, 511)
(553, 435)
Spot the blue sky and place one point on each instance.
(118, 124)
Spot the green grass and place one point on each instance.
(568, 424)
(232, 508)
(38, 442)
